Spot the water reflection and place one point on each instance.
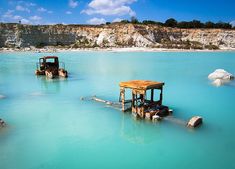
(51, 85)
(2, 96)
(139, 131)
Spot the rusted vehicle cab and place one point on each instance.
(141, 105)
(50, 67)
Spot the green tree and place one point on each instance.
(209, 24)
(134, 20)
(183, 24)
(223, 25)
(196, 24)
(125, 21)
(148, 22)
(171, 23)
(152, 22)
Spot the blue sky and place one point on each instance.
(100, 11)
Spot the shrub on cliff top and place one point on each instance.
(171, 23)
(125, 21)
(134, 20)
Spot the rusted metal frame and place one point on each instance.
(122, 96)
(142, 102)
(161, 95)
(133, 100)
(128, 101)
(152, 95)
(123, 101)
(135, 107)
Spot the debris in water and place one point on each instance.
(194, 122)
(2, 123)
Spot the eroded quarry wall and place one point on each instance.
(114, 35)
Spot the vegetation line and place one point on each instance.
(183, 24)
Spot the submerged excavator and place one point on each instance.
(50, 67)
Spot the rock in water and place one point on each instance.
(220, 74)
(194, 122)
(218, 82)
(220, 77)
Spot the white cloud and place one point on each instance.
(8, 14)
(31, 4)
(10, 17)
(35, 18)
(50, 23)
(10, 11)
(17, 17)
(96, 21)
(23, 3)
(25, 21)
(110, 7)
(68, 12)
(28, 4)
(41, 9)
(73, 4)
(117, 20)
(21, 8)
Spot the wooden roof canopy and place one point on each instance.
(141, 84)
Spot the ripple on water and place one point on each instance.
(36, 94)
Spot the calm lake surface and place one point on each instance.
(49, 127)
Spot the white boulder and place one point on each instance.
(194, 122)
(218, 82)
(220, 74)
(220, 77)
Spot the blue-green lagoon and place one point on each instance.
(49, 127)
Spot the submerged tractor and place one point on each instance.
(50, 67)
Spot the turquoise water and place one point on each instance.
(49, 127)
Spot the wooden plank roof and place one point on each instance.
(141, 84)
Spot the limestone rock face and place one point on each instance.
(106, 38)
(113, 35)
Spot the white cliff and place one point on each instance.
(114, 35)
